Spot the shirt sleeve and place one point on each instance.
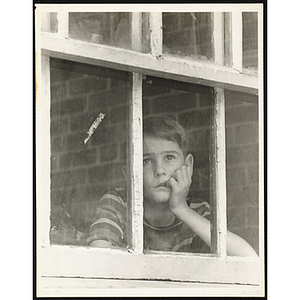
(202, 208)
(109, 222)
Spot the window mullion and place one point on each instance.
(261, 136)
(63, 23)
(228, 39)
(219, 38)
(156, 34)
(136, 168)
(219, 224)
(237, 37)
(136, 31)
(219, 205)
(43, 150)
(46, 20)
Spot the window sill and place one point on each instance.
(86, 263)
(67, 286)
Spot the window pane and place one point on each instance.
(85, 164)
(188, 34)
(191, 107)
(112, 29)
(250, 40)
(49, 22)
(242, 165)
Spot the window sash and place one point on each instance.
(100, 263)
(123, 264)
(200, 72)
(58, 261)
(180, 69)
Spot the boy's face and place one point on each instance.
(161, 159)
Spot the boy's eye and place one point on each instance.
(170, 157)
(147, 161)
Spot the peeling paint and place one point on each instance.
(94, 126)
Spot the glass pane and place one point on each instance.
(86, 160)
(242, 165)
(171, 110)
(49, 22)
(107, 28)
(250, 40)
(188, 34)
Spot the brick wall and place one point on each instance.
(242, 165)
(250, 40)
(82, 172)
(189, 34)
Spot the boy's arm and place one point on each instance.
(102, 244)
(236, 246)
(106, 230)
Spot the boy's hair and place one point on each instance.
(166, 128)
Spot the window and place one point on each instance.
(83, 164)
(101, 74)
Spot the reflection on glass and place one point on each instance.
(250, 40)
(86, 160)
(242, 166)
(177, 132)
(112, 29)
(188, 34)
(49, 22)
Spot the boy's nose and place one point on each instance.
(160, 170)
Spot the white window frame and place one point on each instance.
(63, 265)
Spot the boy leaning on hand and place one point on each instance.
(172, 221)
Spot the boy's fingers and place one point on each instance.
(185, 178)
(168, 184)
(189, 172)
(184, 174)
(179, 175)
(172, 182)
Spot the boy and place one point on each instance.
(172, 222)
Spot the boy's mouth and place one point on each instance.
(164, 184)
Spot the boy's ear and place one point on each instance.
(189, 161)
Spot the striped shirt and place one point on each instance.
(110, 221)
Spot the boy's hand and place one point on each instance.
(180, 186)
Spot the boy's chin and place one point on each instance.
(160, 197)
(161, 200)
